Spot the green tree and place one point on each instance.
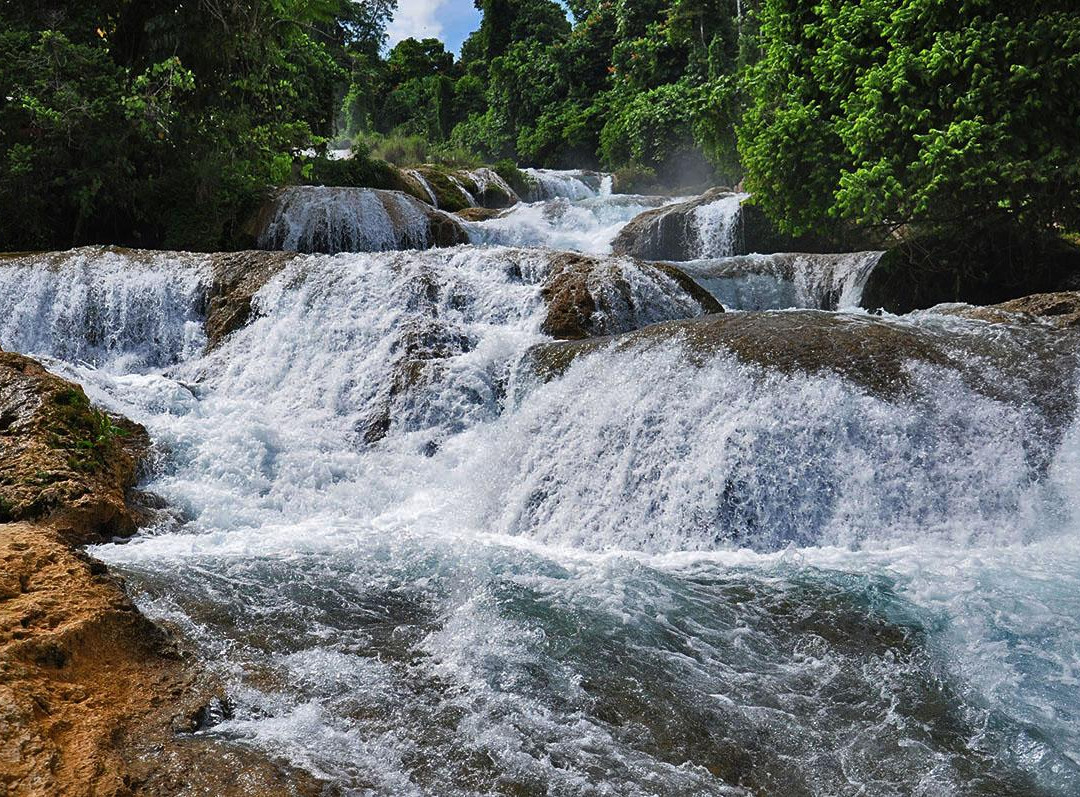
(948, 116)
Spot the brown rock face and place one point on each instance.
(92, 694)
(479, 214)
(238, 276)
(588, 297)
(60, 458)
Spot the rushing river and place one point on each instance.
(652, 575)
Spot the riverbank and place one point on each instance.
(95, 699)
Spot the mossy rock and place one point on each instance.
(62, 457)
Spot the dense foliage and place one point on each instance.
(159, 122)
(162, 122)
(647, 84)
(887, 113)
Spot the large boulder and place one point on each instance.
(1027, 364)
(718, 223)
(588, 296)
(1061, 310)
(61, 458)
(453, 190)
(238, 276)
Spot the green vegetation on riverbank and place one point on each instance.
(163, 123)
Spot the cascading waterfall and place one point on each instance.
(716, 226)
(776, 282)
(322, 219)
(466, 194)
(572, 185)
(485, 178)
(418, 177)
(588, 225)
(423, 564)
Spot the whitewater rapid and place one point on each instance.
(656, 574)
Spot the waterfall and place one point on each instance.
(486, 178)
(105, 306)
(321, 219)
(572, 185)
(418, 177)
(430, 551)
(715, 224)
(776, 282)
(588, 225)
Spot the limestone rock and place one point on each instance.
(588, 296)
(60, 458)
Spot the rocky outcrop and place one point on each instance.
(95, 700)
(703, 227)
(1061, 310)
(479, 214)
(238, 276)
(60, 458)
(453, 190)
(1021, 365)
(588, 296)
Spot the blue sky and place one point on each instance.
(449, 20)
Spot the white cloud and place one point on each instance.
(416, 19)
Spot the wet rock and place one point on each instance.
(1061, 310)
(1022, 365)
(61, 458)
(328, 220)
(238, 276)
(588, 297)
(90, 689)
(675, 232)
(479, 214)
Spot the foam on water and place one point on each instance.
(660, 574)
(587, 225)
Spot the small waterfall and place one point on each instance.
(672, 442)
(780, 281)
(465, 193)
(775, 553)
(418, 177)
(129, 310)
(485, 178)
(329, 220)
(716, 226)
(588, 225)
(554, 184)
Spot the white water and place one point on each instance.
(321, 219)
(656, 575)
(777, 282)
(587, 225)
(716, 226)
(572, 185)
